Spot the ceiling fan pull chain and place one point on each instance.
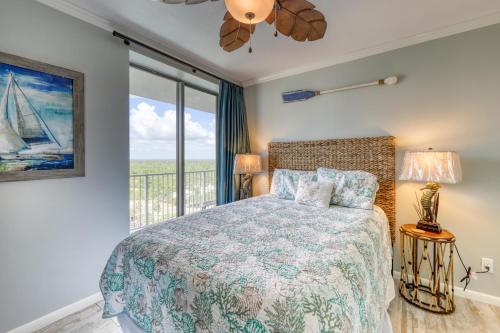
(276, 19)
(250, 48)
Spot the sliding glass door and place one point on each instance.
(172, 148)
(199, 150)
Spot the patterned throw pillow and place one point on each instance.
(354, 189)
(314, 193)
(285, 182)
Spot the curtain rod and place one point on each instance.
(128, 40)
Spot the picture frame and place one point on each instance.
(42, 132)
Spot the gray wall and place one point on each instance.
(449, 98)
(56, 235)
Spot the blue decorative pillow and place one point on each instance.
(354, 189)
(285, 182)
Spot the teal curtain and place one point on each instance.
(232, 139)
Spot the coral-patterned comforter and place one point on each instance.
(259, 265)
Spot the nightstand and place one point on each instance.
(427, 269)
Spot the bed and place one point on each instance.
(265, 264)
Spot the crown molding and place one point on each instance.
(79, 13)
(100, 22)
(454, 29)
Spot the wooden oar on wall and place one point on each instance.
(302, 95)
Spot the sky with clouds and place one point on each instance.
(153, 131)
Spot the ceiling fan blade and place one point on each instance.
(234, 34)
(318, 24)
(296, 6)
(270, 18)
(298, 19)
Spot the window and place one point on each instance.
(172, 148)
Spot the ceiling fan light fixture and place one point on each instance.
(250, 11)
(298, 19)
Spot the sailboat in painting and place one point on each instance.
(41, 120)
(21, 127)
(24, 135)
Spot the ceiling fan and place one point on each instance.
(293, 18)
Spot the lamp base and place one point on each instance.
(246, 186)
(245, 194)
(429, 226)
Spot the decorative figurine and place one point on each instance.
(428, 209)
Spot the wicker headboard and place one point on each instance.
(375, 155)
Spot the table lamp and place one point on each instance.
(433, 168)
(247, 165)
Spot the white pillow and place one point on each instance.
(313, 193)
(285, 182)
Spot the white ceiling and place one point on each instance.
(356, 28)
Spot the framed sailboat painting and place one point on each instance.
(41, 120)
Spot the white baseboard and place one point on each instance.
(58, 314)
(469, 294)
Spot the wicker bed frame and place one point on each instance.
(374, 154)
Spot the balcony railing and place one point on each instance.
(153, 196)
